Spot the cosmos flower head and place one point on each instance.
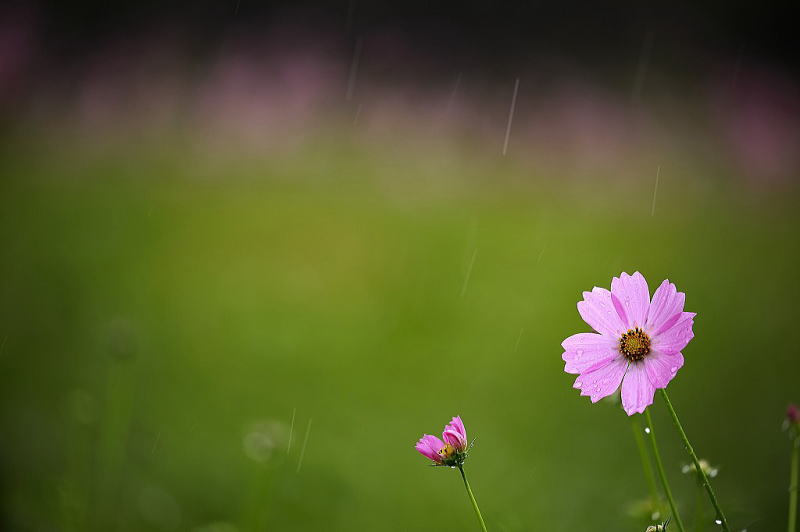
(451, 450)
(637, 343)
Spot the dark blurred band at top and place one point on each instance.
(494, 35)
(595, 78)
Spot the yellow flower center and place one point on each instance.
(447, 451)
(634, 344)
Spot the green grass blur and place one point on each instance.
(156, 305)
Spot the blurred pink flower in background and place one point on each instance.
(791, 424)
(758, 116)
(638, 341)
(18, 50)
(793, 413)
(138, 83)
(261, 96)
(290, 85)
(584, 125)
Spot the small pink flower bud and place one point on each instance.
(451, 450)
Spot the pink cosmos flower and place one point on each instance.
(452, 451)
(638, 341)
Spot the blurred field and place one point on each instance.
(156, 304)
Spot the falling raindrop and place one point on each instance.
(511, 116)
(655, 190)
(647, 430)
(718, 521)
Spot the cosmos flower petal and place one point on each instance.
(453, 438)
(458, 425)
(602, 381)
(455, 434)
(429, 447)
(637, 390)
(667, 303)
(661, 368)
(598, 311)
(678, 334)
(632, 293)
(584, 350)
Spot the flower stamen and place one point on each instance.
(634, 344)
(447, 451)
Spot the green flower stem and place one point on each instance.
(662, 475)
(472, 498)
(795, 464)
(647, 467)
(703, 477)
(699, 515)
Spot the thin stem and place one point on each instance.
(257, 506)
(472, 498)
(699, 519)
(662, 475)
(647, 467)
(795, 464)
(703, 477)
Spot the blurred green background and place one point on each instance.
(251, 251)
(168, 318)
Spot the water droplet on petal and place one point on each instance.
(673, 369)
